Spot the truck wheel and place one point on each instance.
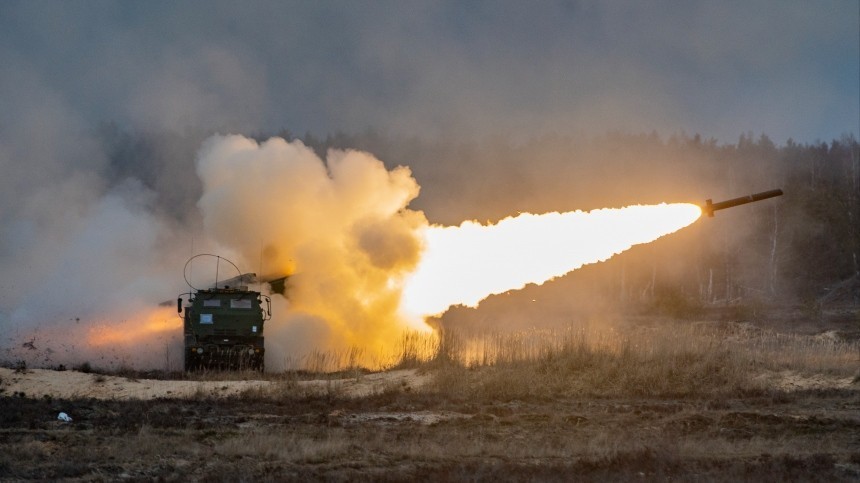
(189, 364)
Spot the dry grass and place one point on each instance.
(826, 353)
(286, 446)
(673, 361)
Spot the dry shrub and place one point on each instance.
(414, 349)
(321, 362)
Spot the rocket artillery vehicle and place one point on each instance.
(223, 324)
(710, 207)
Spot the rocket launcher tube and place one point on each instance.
(710, 207)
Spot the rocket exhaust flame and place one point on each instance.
(464, 264)
(136, 329)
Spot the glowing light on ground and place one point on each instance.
(463, 265)
(137, 329)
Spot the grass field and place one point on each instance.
(653, 400)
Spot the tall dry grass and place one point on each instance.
(670, 361)
(825, 353)
(412, 350)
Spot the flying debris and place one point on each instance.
(710, 207)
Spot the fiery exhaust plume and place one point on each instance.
(136, 329)
(462, 265)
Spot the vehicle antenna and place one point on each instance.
(217, 263)
(191, 269)
(260, 274)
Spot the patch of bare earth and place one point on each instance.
(788, 380)
(39, 383)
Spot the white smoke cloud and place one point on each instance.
(102, 265)
(76, 251)
(340, 228)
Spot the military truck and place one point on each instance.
(223, 326)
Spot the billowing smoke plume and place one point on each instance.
(340, 229)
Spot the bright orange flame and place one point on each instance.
(467, 263)
(135, 329)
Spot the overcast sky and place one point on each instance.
(438, 68)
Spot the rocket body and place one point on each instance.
(710, 207)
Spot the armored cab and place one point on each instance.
(224, 329)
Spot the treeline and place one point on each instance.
(800, 247)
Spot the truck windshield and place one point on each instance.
(240, 303)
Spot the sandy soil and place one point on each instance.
(793, 381)
(75, 385)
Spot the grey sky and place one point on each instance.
(442, 68)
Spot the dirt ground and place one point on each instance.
(397, 435)
(400, 425)
(40, 383)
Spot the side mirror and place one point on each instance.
(179, 305)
